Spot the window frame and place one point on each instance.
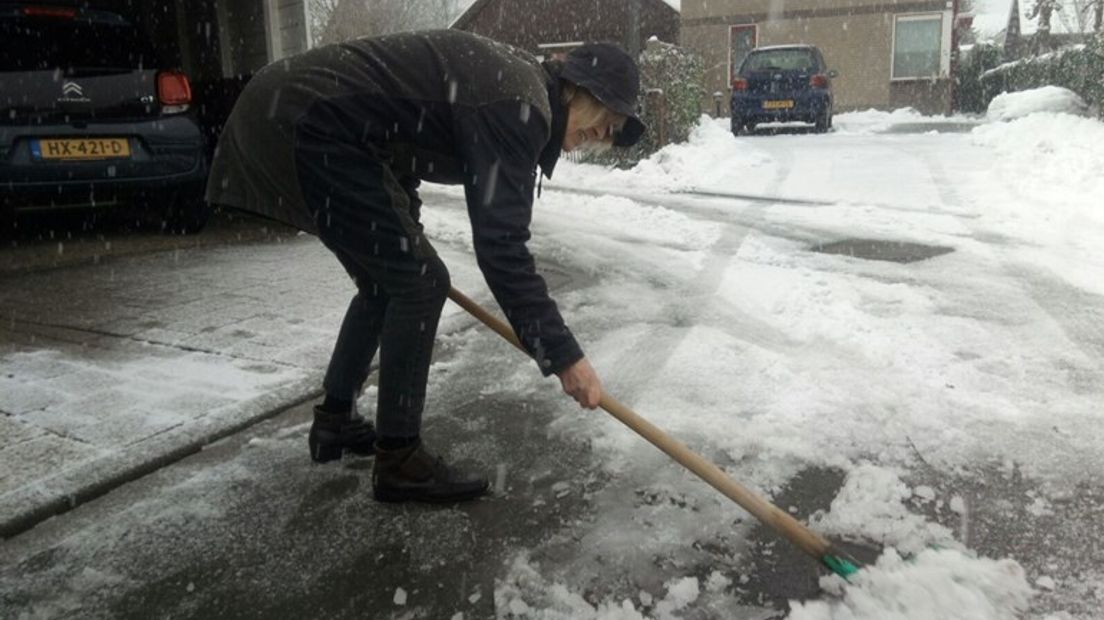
(943, 68)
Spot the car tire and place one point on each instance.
(7, 222)
(824, 122)
(737, 126)
(749, 128)
(188, 212)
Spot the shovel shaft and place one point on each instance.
(768, 514)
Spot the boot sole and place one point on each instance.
(322, 453)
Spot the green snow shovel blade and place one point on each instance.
(767, 513)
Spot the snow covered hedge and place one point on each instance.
(1079, 68)
(972, 95)
(671, 79)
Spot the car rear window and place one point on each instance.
(71, 45)
(781, 60)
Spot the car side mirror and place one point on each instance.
(833, 74)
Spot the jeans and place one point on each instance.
(368, 218)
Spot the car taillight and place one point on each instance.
(739, 84)
(819, 81)
(58, 12)
(174, 91)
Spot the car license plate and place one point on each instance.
(778, 105)
(80, 148)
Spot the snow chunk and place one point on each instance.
(680, 593)
(871, 505)
(1046, 583)
(717, 582)
(934, 586)
(525, 593)
(400, 596)
(958, 505)
(924, 492)
(1010, 106)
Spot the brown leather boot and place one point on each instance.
(331, 434)
(412, 474)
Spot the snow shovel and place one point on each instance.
(767, 513)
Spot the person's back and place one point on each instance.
(400, 96)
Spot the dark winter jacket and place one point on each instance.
(442, 106)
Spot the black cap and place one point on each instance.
(611, 75)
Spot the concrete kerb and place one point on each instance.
(26, 507)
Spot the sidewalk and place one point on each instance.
(110, 371)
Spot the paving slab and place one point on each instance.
(110, 370)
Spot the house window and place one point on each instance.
(917, 46)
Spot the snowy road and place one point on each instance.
(899, 337)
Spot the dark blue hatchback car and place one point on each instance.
(781, 84)
(90, 117)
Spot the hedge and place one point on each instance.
(1079, 68)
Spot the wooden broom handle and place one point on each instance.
(767, 513)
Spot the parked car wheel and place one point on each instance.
(7, 222)
(737, 126)
(187, 214)
(824, 121)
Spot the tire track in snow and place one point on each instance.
(1077, 313)
(696, 300)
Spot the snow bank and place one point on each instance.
(710, 156)
(935, 585)
(1010, 106)
(1052, 159)
(875, 121)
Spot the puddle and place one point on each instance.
(880, 249)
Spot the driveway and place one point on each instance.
(871, 329)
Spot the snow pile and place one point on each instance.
(709, 157)
(871, 505)
(935, 585)
(875, 121)
(1011, 106)
(1052, 160)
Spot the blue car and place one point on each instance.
(782, 84)
(91, 117)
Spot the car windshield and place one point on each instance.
(71, 45)
(781, 60)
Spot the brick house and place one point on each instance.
(546, 27)
(889, 53)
